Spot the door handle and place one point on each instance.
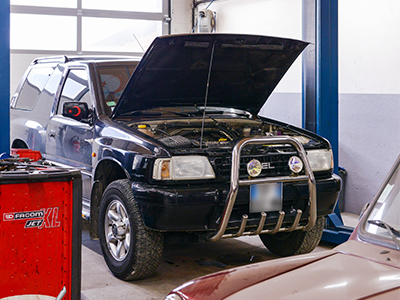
(52, 134)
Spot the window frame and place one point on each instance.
(60, 100)
(80, 13)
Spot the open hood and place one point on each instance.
(242, 71)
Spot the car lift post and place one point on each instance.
(5, 75)
(320, 90)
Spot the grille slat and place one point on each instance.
(278, 163)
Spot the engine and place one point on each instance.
(184, 134)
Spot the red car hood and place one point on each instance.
(353, 270)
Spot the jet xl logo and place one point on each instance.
(46, 217)
(50, 218)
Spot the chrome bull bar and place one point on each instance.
(236, 182)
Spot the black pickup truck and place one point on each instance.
(173, 144)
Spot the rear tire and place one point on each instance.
(130, 250)
(295, 242)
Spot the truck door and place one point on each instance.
(68, 140)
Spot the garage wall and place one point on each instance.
(369, 80)
(369, 100)
(181, 16)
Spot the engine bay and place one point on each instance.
(217, 133)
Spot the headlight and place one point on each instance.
(320, 160)
(183, 168)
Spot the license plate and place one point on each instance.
(265, 197)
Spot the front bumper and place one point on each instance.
(200, 207)
(224, 210)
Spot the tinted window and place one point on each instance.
(32, 86)
(75, 88)
(113, 80)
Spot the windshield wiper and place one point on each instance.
(141, 113)
(217, 124)
(392, 231)
(183, 114)
(205, 113)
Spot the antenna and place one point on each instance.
(206, 96)
(138, 41)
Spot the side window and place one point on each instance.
(76, 88)
(31, 88)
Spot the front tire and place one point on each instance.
(295, 242)
(130, 250)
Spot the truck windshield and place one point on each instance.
(113, 80)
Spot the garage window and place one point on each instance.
(118, 35)
(91, 27)
(125, 5)
(49, 3)
(60, 35)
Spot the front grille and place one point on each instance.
(277, 165)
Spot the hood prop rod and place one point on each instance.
(206, 96)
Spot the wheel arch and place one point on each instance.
(19, 144)
(107, 170)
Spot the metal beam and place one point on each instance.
(320, 70)
(327, 92)
(320, 90)
(309, 65)
(5, 76)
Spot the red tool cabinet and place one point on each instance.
(40, 230)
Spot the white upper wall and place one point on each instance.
(181, 16)
(266, 17)
(281, 18)
(369, 44)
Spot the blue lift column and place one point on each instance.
(4, 76)
(320, 89)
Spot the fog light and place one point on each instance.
(295, 164)
(254, 168)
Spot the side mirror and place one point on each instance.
(76, 110)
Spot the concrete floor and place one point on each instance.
(180, 263)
